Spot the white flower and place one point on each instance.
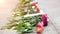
(33, 6)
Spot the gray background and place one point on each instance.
(52, 8)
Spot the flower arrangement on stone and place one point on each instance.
(19, 22)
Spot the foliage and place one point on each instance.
(22, 24)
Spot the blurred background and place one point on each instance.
(51, 7)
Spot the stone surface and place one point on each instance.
(50, 29)
(52, 8)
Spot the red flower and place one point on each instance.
(39, 27)
(44, 19)
(38, 9)
(34, 4)
(39, 30)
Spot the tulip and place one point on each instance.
(39, 27)
(34, 4)
(44, 19)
